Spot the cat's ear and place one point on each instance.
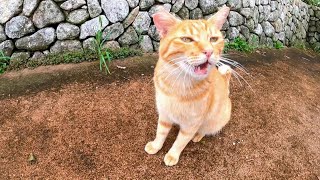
(220, 17)
(164, 21)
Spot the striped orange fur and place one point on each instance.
(190, 91)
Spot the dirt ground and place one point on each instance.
(82, 124)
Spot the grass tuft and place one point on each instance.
(278, 45)
(4, 62)
(239, 44)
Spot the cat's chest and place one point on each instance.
(177, 109)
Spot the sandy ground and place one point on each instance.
(82, 124)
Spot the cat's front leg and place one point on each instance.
(163, 129)
(184, 137)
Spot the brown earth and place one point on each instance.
(82, 124)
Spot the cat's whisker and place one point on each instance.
(244, 80)
(237, 77)
(235, 64)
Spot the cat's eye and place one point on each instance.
(214, 39)
(187, 39)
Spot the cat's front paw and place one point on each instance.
(150, 148)
(225, 69)
(197, 137)
(170, 159)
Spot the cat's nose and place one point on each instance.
(208, 53)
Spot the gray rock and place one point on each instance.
(133, 3)
(255, 15)
(89, 44)
(19, 26)
(78, 16)
(2, 34)
(72, 4)
(40, 40)
(317, 14)
(245, 32)
(196, 14)
(248, 3)
(191, 4)
(153, 33)
(156, 8)
(111, 45)
(115, 10)
(46, 52)
(146, 4)
(282, 36)
(269, 42)
(37, 55)
(208, 6)
(225, 26)
(235, 4)
(232, 33)
(250, 24)
(146, 44)
(221, 2)
(177, 6)
(235, 19)
(67, 31)
(129, 37)
(142, 22)
(91, 27)
(66, 46)
(113, 31)
(131, 17)
(94, 8)
(156, 45)
(268, 29)
(9, 8)
(273, 16)
(29, 6)
(7, 47)
(258, 30)
(183, 13)
(246, 12)
(278, 26)
(164, 1)
(18, 59)
(47, 13)
(253, 40)
(264, 2)
(274, 5)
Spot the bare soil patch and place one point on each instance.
(82, 124)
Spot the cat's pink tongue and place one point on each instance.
(202, 69)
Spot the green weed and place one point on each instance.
(239, 44)
(278, 45)
(4, 62)
(102, 54)
(313, 2)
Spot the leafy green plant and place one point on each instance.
(102, 54)
(4, 62)
(239, 44)
(313, 2)
(278, 45)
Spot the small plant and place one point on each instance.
(239, 44)
(313, 2)
(4, 62)
(103, 55)
(278, 45)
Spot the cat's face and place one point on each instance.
(192, 45)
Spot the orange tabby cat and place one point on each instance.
(190, 91)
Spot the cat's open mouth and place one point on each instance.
(202, 68)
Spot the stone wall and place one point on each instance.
(314, 27)
(33, 28)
